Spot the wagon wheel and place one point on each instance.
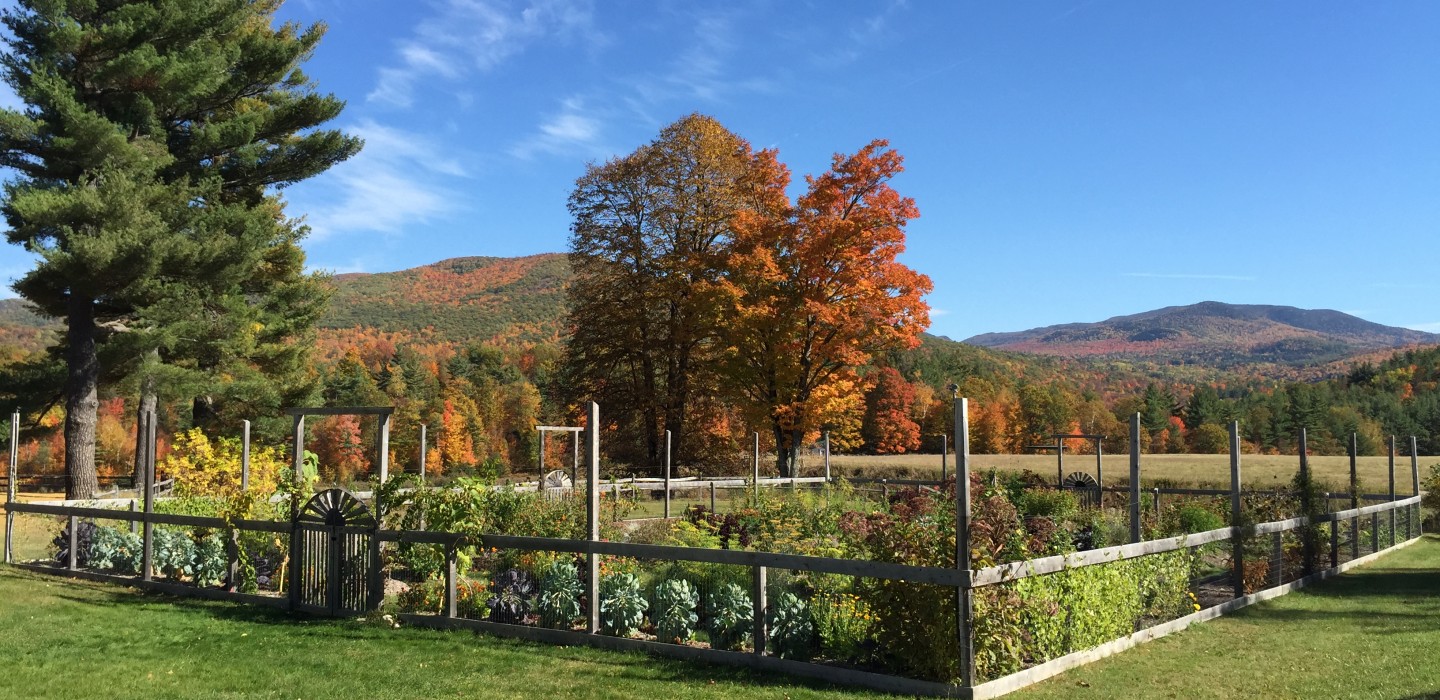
(336, 507)
(557, 479)
(1079, 480)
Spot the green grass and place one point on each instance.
(1368, 634)
(68, 639)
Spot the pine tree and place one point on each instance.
(154, 135)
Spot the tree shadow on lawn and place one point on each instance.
(637, 666)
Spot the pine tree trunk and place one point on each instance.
(81, 400)
(148, 403)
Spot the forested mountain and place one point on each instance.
(1214, 335)
(461, 300)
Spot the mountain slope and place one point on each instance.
(458, 300)
(1214, 334)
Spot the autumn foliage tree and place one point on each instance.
(650, 243)
(815, 290)
(889, 426)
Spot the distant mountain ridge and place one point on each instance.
(1214, 334)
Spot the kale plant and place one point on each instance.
(674, 614)
(560, 591)
(116, 549)
(732, 617)
(792, 635)
(212, 562)
(84, 536)
(173, 552)
(512, 597)
(622, 606)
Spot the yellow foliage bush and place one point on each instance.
(205, 467)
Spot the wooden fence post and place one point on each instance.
(298, 460)
(1237, 547)
(70, 558)
(10, 485)
(244, 456)
(424, 447)
(944, 452)
(827, 463)
(148, 528)
(1135, 477)
(1392, 513)
(1374, 532)
(712, 496)
(963, 602)
(667, 474)
(1334, 537)
(452, 602)
(1414, 516)
(592, 521)
(1307, 542)
(756, 465)
(759, 604)
(1354, 496)
(1277, 553)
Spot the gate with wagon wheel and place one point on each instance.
(334, 556)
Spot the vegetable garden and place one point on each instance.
(970, 587)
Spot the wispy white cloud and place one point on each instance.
(399, 178)
(937, 313)
(573, 129)
(469, 36)
(1185, 276)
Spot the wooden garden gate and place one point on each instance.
(335, 556)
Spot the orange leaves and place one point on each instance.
(817, 290)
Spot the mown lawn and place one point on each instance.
(1369, 634)
(1372, 633)
(75, 640)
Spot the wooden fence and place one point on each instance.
(328, 513)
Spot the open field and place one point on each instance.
(1257, 471)
(1367, 634)
(69, 639)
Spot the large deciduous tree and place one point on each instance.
(650, 241)
(153, 137)
(817, 290)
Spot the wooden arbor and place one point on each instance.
(335, 553)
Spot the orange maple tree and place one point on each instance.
(815, 288)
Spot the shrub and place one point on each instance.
(559, 601)
(205, 467)
(732, 616)
(674, 613)
(512, 597)
(792, 636)
(429, 597)
(1194, 517)
(622, 605)
(1047, 503)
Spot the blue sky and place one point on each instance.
(1071, 161)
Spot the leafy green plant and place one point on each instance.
(116, 549)
(173, 552)
(732, 616)
(559, 601)
(1046, 503)
(211, 561)
(792, 635)
(674, 614)
(622, 605)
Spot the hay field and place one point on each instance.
(1257, 471)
